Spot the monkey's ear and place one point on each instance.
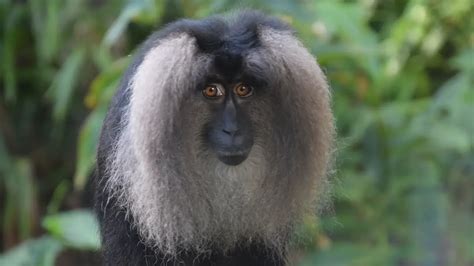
(208, 33)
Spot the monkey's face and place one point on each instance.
(229, 132)
(228, 135)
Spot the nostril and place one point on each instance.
(229, 131)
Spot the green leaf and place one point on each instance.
(46, 27)
(88, 138)
(342, 254)
(62, 88)
(448, 137)
(8, 52)
(77, 229)
(105, 84)
(50, 31)
(39, 252)
(465, 60)
(100, 94)
(428, 213)
(17, 177)
(146, 12)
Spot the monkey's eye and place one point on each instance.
(213, 91)
(243, 90)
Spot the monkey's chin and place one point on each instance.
(232, 159)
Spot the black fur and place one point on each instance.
(228, 41)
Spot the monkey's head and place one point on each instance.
(226, 136)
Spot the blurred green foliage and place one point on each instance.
(402, 76)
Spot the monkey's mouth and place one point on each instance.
(232, 158)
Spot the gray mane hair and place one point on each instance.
(178, 195)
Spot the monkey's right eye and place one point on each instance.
(212, 91)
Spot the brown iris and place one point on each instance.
(212, 91)
(243, 90)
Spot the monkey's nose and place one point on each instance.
(230, 131)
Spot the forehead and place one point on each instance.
(230, 40)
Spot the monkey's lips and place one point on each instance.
(232, 157)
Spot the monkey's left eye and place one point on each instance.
(212, 91)
(243, 90)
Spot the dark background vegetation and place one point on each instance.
(402, 76)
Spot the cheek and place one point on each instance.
(193, 121)
(260, 116)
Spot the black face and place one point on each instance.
(229, 88)
(230, 132)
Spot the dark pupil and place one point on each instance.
(211, 91)
(243, 90)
